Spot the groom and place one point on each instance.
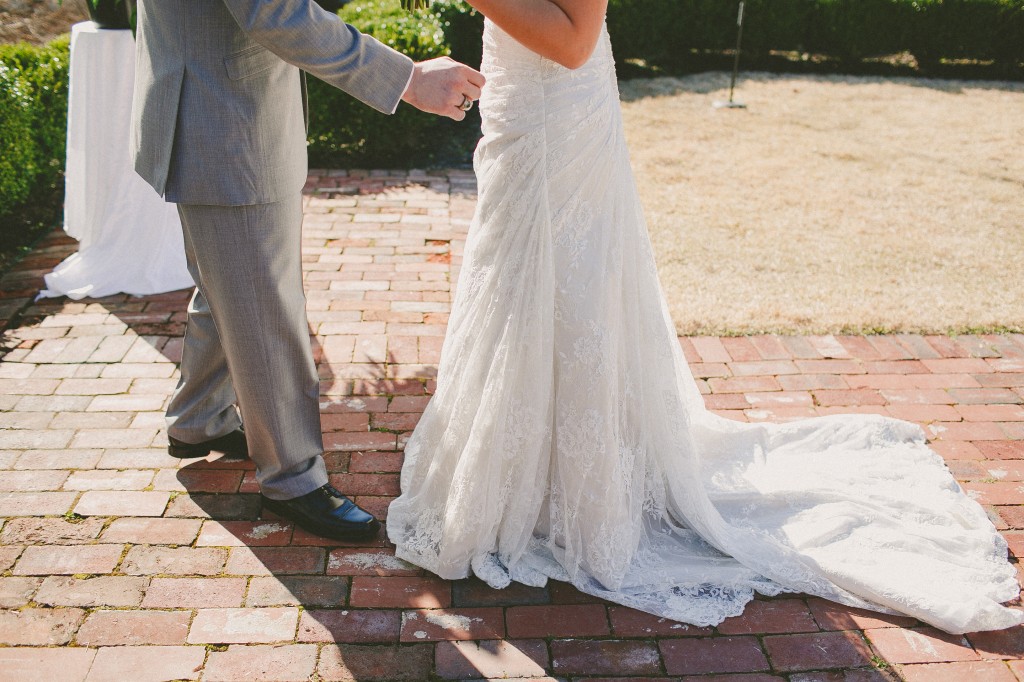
(219, 127)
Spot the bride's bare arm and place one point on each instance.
(564, 31)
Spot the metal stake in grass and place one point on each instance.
(719, 104)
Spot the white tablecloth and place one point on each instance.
(130, 238)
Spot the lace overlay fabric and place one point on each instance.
(567, 438)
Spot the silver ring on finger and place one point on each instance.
(467, 103)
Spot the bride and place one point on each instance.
(567, 438)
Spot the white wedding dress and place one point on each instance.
(567, 438)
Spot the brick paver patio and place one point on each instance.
(119, 562)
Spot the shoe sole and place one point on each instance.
(320, 530)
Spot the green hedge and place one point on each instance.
(18, 161)
(343, 131)
(665, 31)
(33, 119)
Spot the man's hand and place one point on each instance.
(439, 86)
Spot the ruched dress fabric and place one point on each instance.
(567, 438)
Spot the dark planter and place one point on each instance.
(111, 13)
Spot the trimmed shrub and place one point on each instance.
(18, 160)
(44, 70)
(344, 131)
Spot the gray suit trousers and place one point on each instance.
(247, 339)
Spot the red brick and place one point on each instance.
(176, 593)
(705, 370)
(819, 650)
(379, 562)
(475, 592)
(711, 349)
(199, 480)
(349, 442)
(627, 622)
(984, 396)
(763, 617)
(122, 503)
(851, 397)
(349, 625)
(770, 347)
(9, 555)
(244, 626)
(369, 663)
(609, 656)
(832, 616)
(1001, 450)
(147, 663)
(764, 368)
(917, 396)
(831, 366)
(57, 560)
(50, 531)
(994, 413)
(408, 404)
(371, 462)
(744, 384)
(39, 627)
(35, 504)
(366, 484)
(16, 592)
(987, 671)
(143, 560)
(740, 348)
(957, 366)
(725, 401)
(812, 382)
(923, 413)
(493, 659)
(920, 645)
(828, 346)
(895, 367)
(12, 481)
(966, 431)
(90, 592)
(66, 665)
(712, 655)
(557, 621)
(1008, 643)
(996, 493)
(112, 628)
(954, 449)
(452, 624)
(106, 479)
(152, 531)
(780, 399)
(742, 677)
(291, 663)
(345, 421)
(423, 593)
(297, 590)
(275, 560)
(244, 533)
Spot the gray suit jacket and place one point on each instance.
(219, 107)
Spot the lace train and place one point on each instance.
(567, 438)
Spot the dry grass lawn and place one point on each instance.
(833, 204)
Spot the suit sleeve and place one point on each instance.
(320, 43)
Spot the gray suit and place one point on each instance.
(219, 128)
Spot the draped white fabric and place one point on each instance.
(567, 438)
(130, 238)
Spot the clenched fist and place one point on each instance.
(440, 86)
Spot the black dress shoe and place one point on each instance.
(232, 445)
(327, 513)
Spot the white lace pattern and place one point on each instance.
(567, 438)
